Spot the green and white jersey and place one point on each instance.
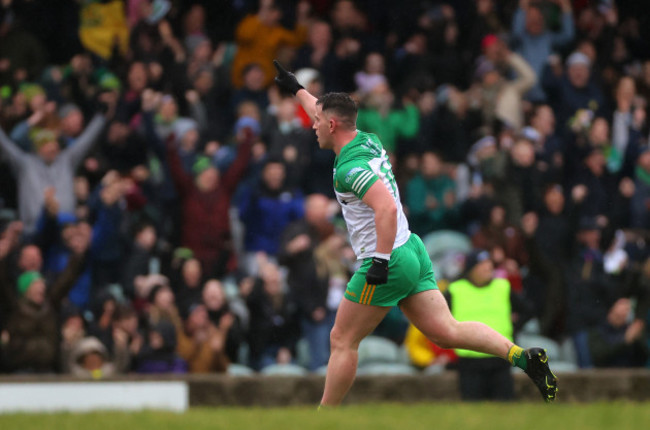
(359, 164)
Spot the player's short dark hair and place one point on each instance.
(342, 105)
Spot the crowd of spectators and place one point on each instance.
(165, 208)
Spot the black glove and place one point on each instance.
(378, 271)
(286, 80)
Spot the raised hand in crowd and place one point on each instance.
(50, 202)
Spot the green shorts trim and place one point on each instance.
(409, 272)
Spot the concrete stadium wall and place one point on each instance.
(224, 390)
(584, 386)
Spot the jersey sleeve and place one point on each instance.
(355, 179)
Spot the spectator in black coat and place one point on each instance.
(617, 342)
(308, 286)
(272, 333)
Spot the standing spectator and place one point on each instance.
(548, 147)
(158, 354)
(266, 209)
(574, 95)
(22, 56)
(478, 296)
(89, 359)
(201, 343)
(589, 288)
(317, 52)
(224, 317)
(379, 116)
(32, 314)
(373, 74)
(430, 196)
(616, 342)
(51, 166)
(486, 22)
(600, 184)
(641, 197)
(292, 143)
(188, 283)
(308, 285)
(253, 88)
(502, 97)
(544, 285)
(103, 29)
(457, 120)
(628, 123)
(260, 36)
(142, 259)
(57, 229)
(536, 42)
(272, 333)
(205, 201)
(496, 231)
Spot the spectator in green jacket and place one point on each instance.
(430, 196)
(377, 115)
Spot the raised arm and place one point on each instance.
(526, 77)
(107, 103)
(236, 171)
(7, 290)
(183, 180)
(519, 22)
(308, 102)
(85, 141)
(14, 154)
(287, 81)
(567, 31)
(66, 280)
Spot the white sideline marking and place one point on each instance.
(89, 396)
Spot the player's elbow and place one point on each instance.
(390, 209)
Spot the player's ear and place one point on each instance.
(332, 123)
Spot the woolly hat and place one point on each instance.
(159, 9)
(483, 67)
(578, 58)
(488, 40)
(31, 90)
(201, 164)
(107, 80)
(88, 345)
(475, 257)
(67, 109)
(26, 279)
(41, 136)
(248, 122)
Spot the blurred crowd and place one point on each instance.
(165, 208)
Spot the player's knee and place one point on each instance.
(338, 339)
(445, 336)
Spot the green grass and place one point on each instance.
(430, 416)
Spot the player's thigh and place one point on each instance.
(429, 312)
(355, 321)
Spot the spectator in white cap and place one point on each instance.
(572, 92)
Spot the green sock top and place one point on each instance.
(516, 357)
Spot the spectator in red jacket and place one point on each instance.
(205, 200)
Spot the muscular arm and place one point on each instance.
(381, 201)
(308, 102)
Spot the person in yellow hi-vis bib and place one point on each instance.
(103, 24)
(479, 296)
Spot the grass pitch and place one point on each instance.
(437, 416)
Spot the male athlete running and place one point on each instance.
(396, 269)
